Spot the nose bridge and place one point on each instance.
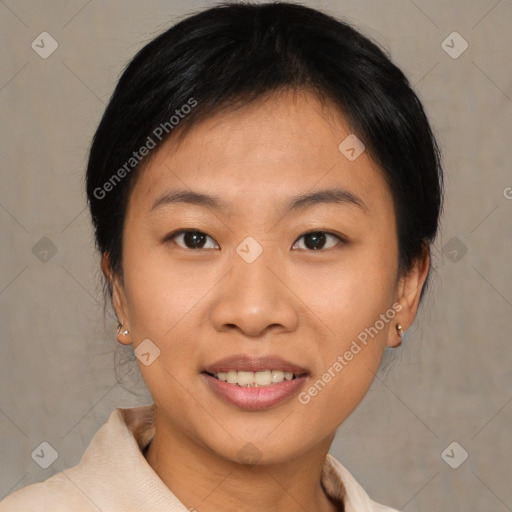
(251, 273)
(252, 298)
(254, 282)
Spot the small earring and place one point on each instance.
(399, 330)
(119, 327)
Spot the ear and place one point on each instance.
(119, 301)
(408, 295)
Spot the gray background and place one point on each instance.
(450, 381)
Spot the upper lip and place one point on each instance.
(253, 364)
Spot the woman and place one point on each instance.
(264, 187)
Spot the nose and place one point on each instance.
(253, 298)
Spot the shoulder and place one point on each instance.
(64, 490)
(109, 475)
(55, 494)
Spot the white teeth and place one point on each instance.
(277, 376)
(254, 379)
(232, 377)
(245, 378)
(263, 378)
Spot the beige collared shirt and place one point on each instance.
(114, 476)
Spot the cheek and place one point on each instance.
(351, 294)
(355, 303)
(160, 294)
(348, 360)
(165, 302)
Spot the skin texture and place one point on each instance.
(305, 306)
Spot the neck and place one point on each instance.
(203, 481)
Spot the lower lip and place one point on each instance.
(255, 398)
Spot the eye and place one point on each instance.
(317, 240)
(192, 240)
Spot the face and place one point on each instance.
(256, 252)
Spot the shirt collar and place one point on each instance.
(115, 457)
(140, 422)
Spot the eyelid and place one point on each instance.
(342, 240)
(182, 231)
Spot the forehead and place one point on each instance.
(258, 155)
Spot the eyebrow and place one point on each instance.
(325, 196)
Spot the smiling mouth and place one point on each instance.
(263, 378)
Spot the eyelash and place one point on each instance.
(341, 240)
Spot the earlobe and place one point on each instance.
(395, 335)
(408, 296)
(118, 300)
